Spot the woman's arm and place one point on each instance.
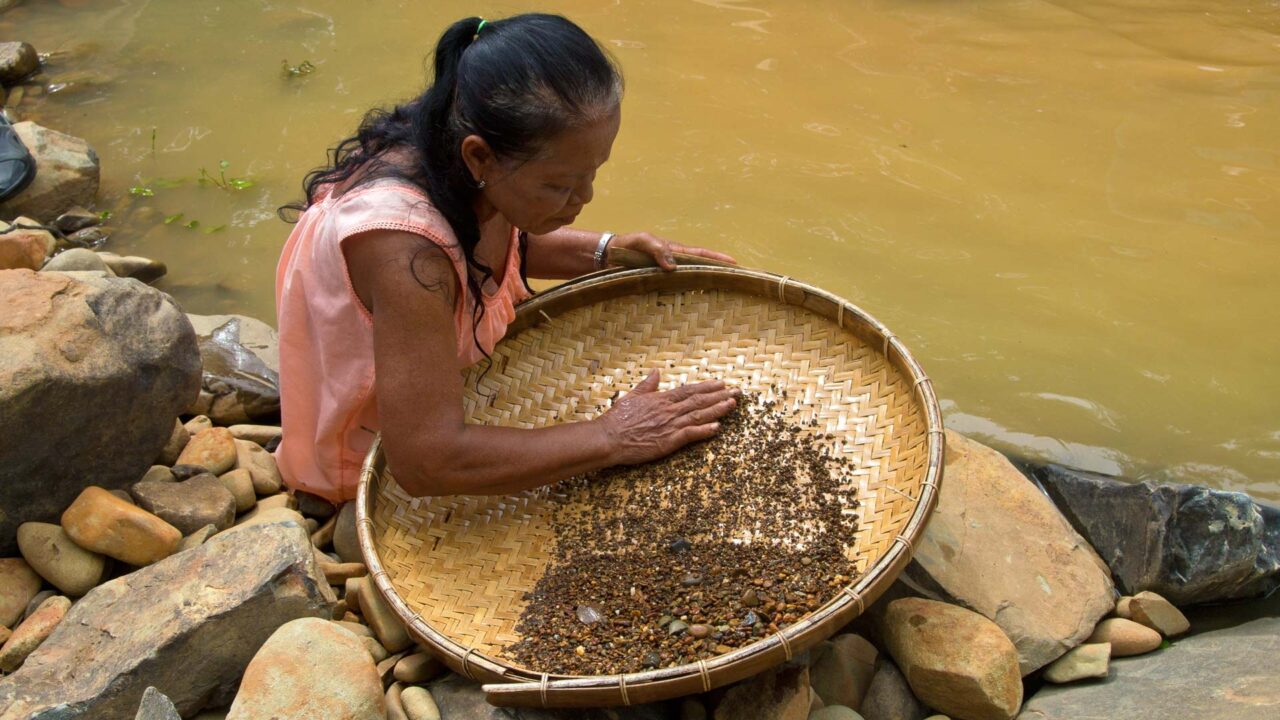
(409, 285)
(569, 252)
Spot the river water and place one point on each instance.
(1070, 211)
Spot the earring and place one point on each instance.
(480, 184)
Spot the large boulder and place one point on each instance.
(66, 174)
(955, 660)
(92, 372)
(311, 668)
(1185, 542)
(996, 545)
(241, 381)
(780, 693)
(187, 625)
(1227, 673)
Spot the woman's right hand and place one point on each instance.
(647, 424)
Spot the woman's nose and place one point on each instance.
(585, 190)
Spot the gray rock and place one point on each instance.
(996, 545)
(843, 669)
(75, 220)
(461, 699)
(1185, 542)
(314, 506)
(76, 260)
(17, 60)
(188, 505)
(155, 706)
(139, 268)
(241, 359)
(66, 174)
(889, 697)
(187, 625)
(345, 541)
(779, 693)
(1228, 673)
(92, 372)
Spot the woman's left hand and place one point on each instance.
(661, 250)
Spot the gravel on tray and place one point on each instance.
(718, 545)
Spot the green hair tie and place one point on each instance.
(480, 26)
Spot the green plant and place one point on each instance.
(292, 71)
(222, 181)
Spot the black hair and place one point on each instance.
(516, 83)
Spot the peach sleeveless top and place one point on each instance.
(327, 402)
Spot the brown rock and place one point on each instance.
(261, 465)
(1126, 637)
(842, 670)
(339, 573)
(196, 425)
(260, 515)
(213, 449)
(310, 669)
(345, 541)
(1148, 608)
(187, 625)
(395, 708)
(22, 248)
(955, 660)
(1090, 660)
(323, 536)
(67, 566)
(189, 505)
(178, 440)
(18, 584)
(77, 353)
(385, 623)
(260, 434)
(780, 693)
(103, 523)
(66, 173)
(418, 668)
(418, 704)
(33, 631)
(157, 473)
(240, 483)
(17, 60)
(998, 546)
(197, 538)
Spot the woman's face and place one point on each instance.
(547, 192)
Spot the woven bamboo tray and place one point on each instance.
(456, 569)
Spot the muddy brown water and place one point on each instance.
(1068, 210)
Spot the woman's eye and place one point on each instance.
(559, 188)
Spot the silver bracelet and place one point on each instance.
(600, 249)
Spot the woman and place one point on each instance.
(413, 249)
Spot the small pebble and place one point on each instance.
(186, 472)
(676, 627)
(750, 598)
(580, 651)
(589, 615)
(699, 631)
(679, 545)
(690, 580)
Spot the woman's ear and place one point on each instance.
(478, 156)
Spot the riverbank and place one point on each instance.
(148, 543)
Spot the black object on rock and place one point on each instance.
(1188, 543)
(17, 167)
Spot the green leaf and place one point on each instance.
(105, 215)
(173, 219)
(214, 229)
(240, 183)
(224, 164)
(192, 225)
(142, 191)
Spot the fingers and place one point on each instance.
(686, 391)
(648, 384)
(712, 412)
(694, 433)
(703, 252)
